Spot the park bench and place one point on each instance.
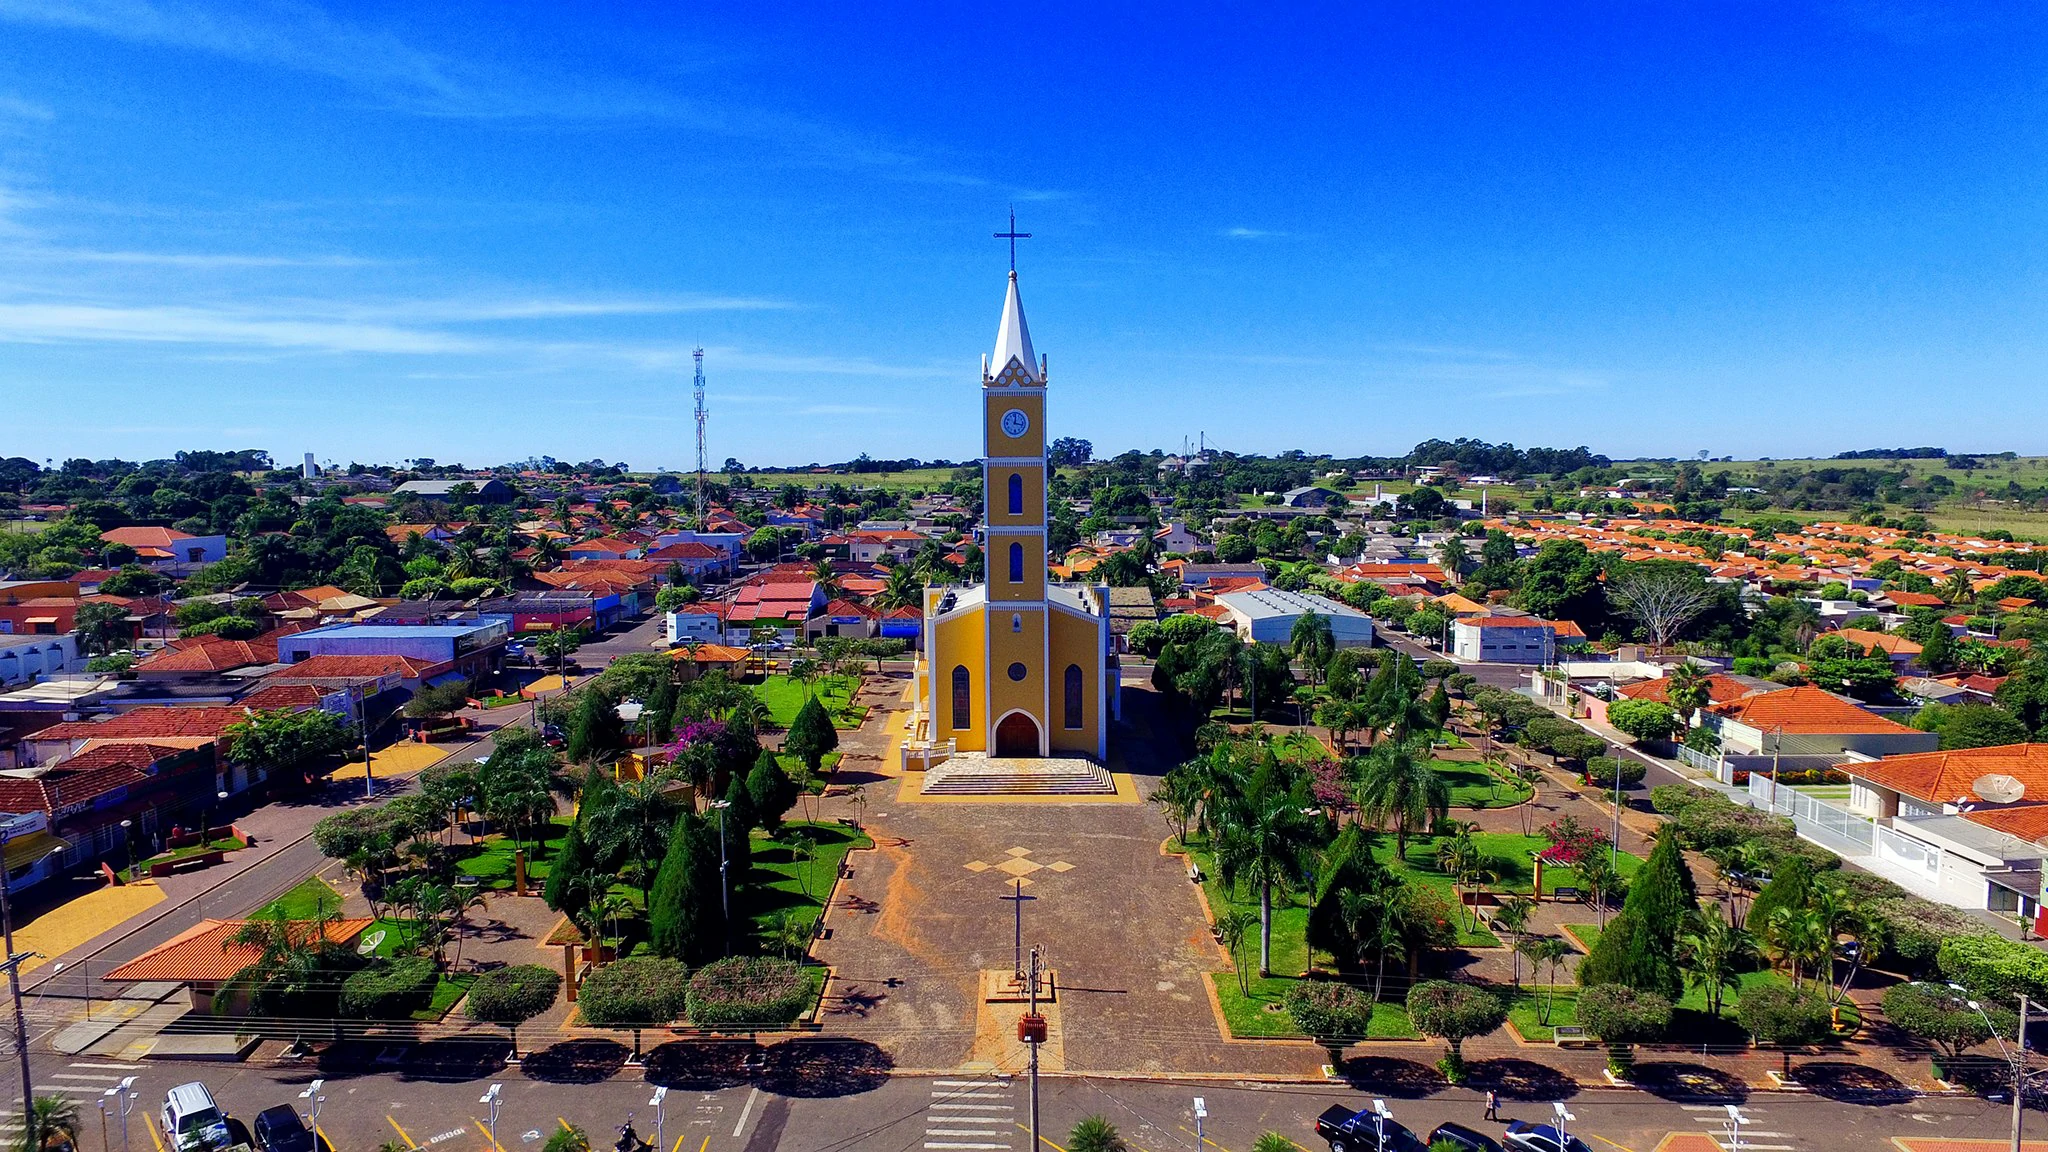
(1571, 1036)
(1567, 892)
(201, 860)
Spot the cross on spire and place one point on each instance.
(1013, 236)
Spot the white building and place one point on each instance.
(28, 659)
(1503, 640)
(1267, 616)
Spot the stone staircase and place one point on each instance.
(972, 774)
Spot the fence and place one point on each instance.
(1837, 829)
(1711, 765)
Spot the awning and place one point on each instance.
(42, 619)
(23, 851)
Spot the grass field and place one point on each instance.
(491, 861)
(1510, 854)
(785, 887)
(1472, 786)
(785, 694)
(309, 901)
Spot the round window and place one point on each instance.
(1018, 671)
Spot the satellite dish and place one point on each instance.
(1998, 788)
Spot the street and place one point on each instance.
(957, 1113)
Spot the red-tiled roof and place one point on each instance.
(331, 667)
(203, 953)
(1945, 777)
(212, 655)
(1720, 689)
(144, 537)
(155, 720)
(1805, 709)
(275, 696)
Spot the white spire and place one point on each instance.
(1013, 339)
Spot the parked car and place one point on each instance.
(279, 1129)
(1359, 1130)
(191, 1120)
(1464, 1139)
(1523, 1136)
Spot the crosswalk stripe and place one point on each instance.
(969, 1083)
(942, 1094)
(976, 1107)
(97, 1079)
(955, 1146)
(962, 1132)
(122, 1067)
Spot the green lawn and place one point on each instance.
(397, 940)
(224, 844)
(783, 886)
(1475, 786)
(1525, 1007)
(1259, 1013)
(491, 860)
(312, 899)
(1510, 853)
(784, 694)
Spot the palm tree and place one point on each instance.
(1234, 927)
(1267, 841)
(1797, 936)
(1957, 589)
(1714, 953)
(633, 826)
(1549, 951)
(546, 552)
(48, 1118)
(1839, 916)
(900, 588)
(1599, 880)
(1393, 783)
(463, 561)
(1512, 917)
(1311, 640)
(1685, 689)
(465, 899)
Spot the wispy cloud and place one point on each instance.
(190, 259)
(48, 323)
(15, 108)
(1250, 233)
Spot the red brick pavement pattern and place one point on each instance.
(1944, 1144)
(1688, 1142)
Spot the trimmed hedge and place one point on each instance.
(1600, 771)
(1329, 1011)
(389, 990)
(748, 990)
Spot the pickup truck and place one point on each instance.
(1359, 1130)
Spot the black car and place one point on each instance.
(279, 1129)
(1352, 1130)
(1464, 1139)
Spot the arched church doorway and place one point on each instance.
(1017, 735)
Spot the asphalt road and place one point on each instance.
(962, 1113)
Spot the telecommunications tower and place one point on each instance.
(698, 387)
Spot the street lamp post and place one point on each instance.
(2017, 1057)
(1735, 1119)
(660, 1094)
(1201, 1114)
(724, 888)
(1564, 1135)
(492, 1098)
(124, 1097)
(314, 1098)
(1380, 1116)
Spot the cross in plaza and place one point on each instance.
(1019, 898)
(1013, 236)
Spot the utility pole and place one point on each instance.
(2019, 1075)
(13, 966)
(1032, 1031)
(698, 387)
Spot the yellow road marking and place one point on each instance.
(700, 1147)
(1212, 1143)
(323, 1137)
(481, 1127)
(1042, 1138)
(1610, 1143)
(402, 1134)
(153, 1137)
(563, 1123)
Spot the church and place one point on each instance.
(1018, 666)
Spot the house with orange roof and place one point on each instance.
(169, 550)
(1965, 827)
(206, 957)
(1808, 721)
(1901, 650)
(1503, 639)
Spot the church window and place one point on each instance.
(1016, 623)
(1018, 672)
(963, 703)
(1016, 563)
(1016, 494)
(1074, 705)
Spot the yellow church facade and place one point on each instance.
(1018, 665)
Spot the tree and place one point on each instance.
(686, 918)
(1454, 1013)
(509, 997)
(811, 736)
(1661, 595)
(1393, 782)
(1636, 948)
(1548, 951)
(1620, 1017)
(595, 731)
(1312, 642)
(1714, 953)
(1840, 665)
(1978, 726)
(1686, 689)
(1512, 917)
(567, 890)
(1787, 1017)
(1335, 1014)
(1264, 840)
(1235, 927)
(286, 741)
(50, 1118)
(1942, 1016)
(1643, 719)
(102, 627)
(770, 790)
(631, 829)
(638, 992)
(1094, 1134)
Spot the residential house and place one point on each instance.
(1176, 537)
(1964, 827)
(1503, 640)
(469, 649)
(1902, 651)
(1808, 721)
(1200, 575)
(168, 550)
(28, 659)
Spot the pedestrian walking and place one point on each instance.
(1492, 1104)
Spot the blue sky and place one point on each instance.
(495, 230)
